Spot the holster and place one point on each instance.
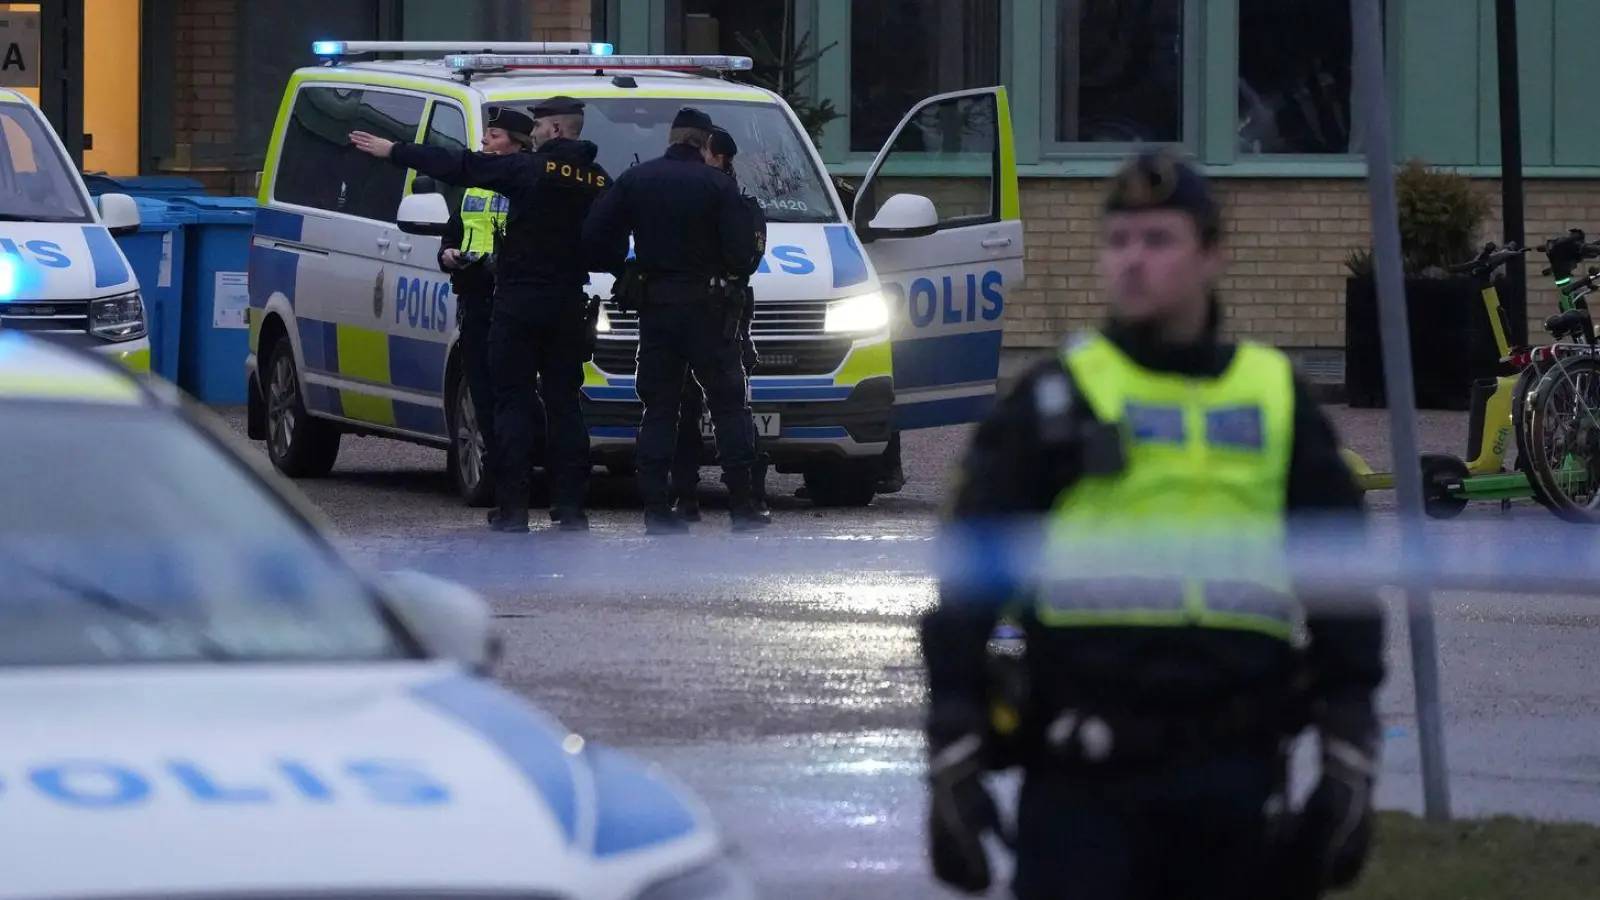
(728, 297)
(629, 290)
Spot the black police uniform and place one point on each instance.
(686, 462)
(472, 281)
(538, 336)
(1198, 716)
(691, 232)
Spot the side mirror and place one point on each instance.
(424, 184)
(451, 620)
(119, 213)
(425, 214)
(904, 216)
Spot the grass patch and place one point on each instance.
(1481, 859)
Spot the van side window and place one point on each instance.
(319, 168)
(447, 128)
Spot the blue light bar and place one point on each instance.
(481, 62)
(328, 48)
(601, 50)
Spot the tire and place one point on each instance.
(1438, 471)
(843, 483)
(1544, 416)
(298, 444)
(468, 455)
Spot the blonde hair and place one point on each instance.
(690, 137)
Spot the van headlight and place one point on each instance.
(725, 878)
(119, 318)
(863, 312)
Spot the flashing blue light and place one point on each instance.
(601, 49)
(8, 277)
(328, 48)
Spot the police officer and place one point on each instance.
(538, 340)
(466, 251)
(692, 241)
(719, 153)
(1157, 702)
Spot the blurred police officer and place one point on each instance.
(719, 152)
(692, 240)
(466, 251)
(538, 341)
(1158, 704)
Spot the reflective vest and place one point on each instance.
(483, 212)
(1191, 531)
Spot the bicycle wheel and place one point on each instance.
(1564, 439)
(1527, 382)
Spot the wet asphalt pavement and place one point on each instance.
(777, 674)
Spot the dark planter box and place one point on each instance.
(1452, 343)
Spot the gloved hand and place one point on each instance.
(960, 813)
(1333, 834)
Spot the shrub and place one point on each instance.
(1441, 214)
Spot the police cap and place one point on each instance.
(722, 143)
(689, 117)
(558, 106)
(1162, 179)
(511, 120)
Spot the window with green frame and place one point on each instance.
(1114, 74)
(1296, 91)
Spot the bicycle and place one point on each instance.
(1570, 366)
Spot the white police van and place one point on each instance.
(882, 317)
(62, 274)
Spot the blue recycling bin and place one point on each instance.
(156, 253)
(157, 186)
(215, 334)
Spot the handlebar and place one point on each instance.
(1490, 259)
(1564, 253)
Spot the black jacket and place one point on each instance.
(1009, 471)
(688, 220)
(550, 191)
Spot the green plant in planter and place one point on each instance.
(1441, 214)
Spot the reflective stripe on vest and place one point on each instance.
(481, 212)
(1191, 532)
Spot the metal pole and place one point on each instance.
(1511, 202)
(1372, 97)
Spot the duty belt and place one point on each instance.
(1252, 721)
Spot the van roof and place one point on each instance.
(546, 82)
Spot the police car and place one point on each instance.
(61, 271)
(881, 317)
(203, 697)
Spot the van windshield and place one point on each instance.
(774, 163)
(36, 184)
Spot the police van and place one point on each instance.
(881, 316)
(62, 275)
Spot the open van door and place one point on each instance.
(940, 216)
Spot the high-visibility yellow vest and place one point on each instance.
(1191, 531)
(482, 212)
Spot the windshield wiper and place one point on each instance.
(122, 607)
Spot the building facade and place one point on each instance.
(1258, 90)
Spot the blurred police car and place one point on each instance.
(203, 697)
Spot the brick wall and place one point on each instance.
(1286, 239)
(203, 93)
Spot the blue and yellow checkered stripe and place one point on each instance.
(350, 352)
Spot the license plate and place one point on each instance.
(767, 425)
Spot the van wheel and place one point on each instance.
(299, 445)
(840, 483)
(468, 454)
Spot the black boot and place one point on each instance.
(509, 521)
(688, 507)
(743, 514)
(662, 520)
(570, 518)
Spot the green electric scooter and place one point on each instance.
(1450, 482)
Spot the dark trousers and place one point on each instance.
(474, 312)
(536, 356)
(686, 461)
(1189, 829)
(674, 340)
